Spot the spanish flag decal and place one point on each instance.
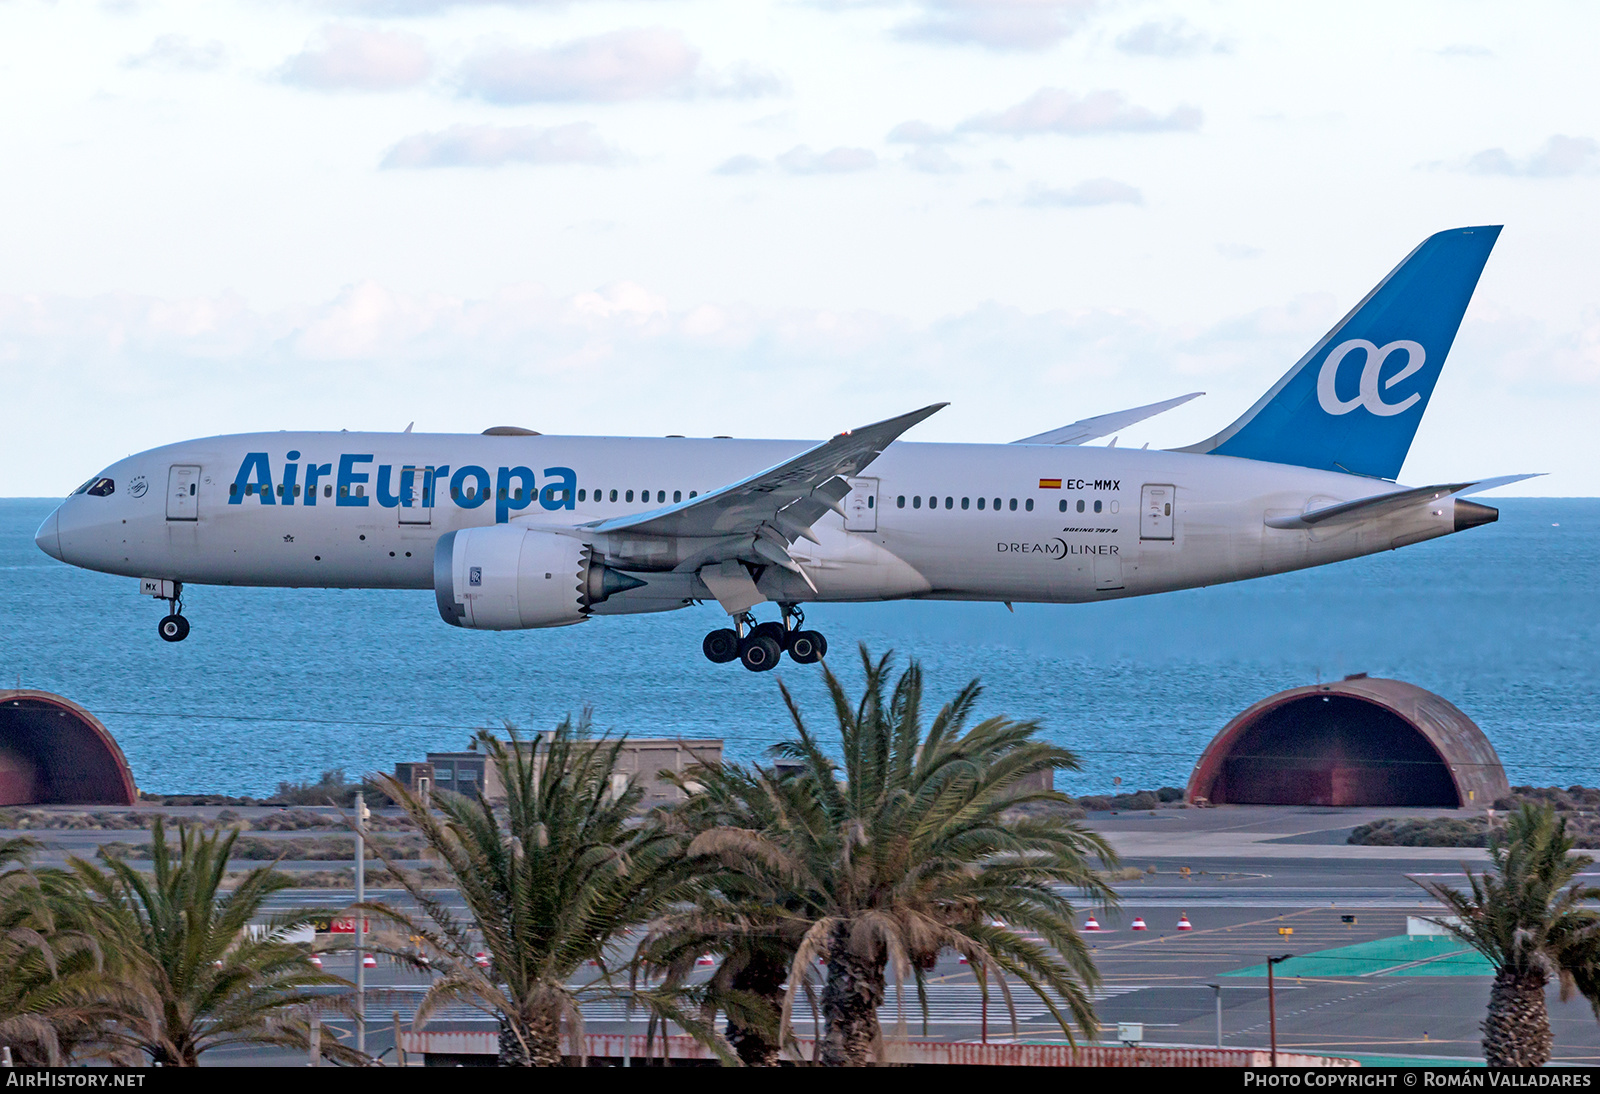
(1049, 484)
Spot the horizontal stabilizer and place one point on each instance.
(1381, 505)
(1104, 424)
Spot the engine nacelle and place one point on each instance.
(506, 578)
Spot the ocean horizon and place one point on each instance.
(282, 684)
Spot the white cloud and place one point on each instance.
(1559, 156)
(497, 146)
(998, 24)
(801, 160)
(740, 165)
(348, 58)
(1084, 194)
(619, 66)
(180, 53)
(1054, 110)
(1173, 38)
(932, 159)
(918, 132)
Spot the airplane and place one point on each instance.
(516, 530)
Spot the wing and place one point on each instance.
(1100, 426)
(789, 497)
(1352, 512)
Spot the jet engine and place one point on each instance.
(506, 578)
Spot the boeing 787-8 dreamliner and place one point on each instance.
(515, 530)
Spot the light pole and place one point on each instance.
(1272, 1006)
(361, 923)
(1218, 989)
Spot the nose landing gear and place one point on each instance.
(173, 626)
(759, 646)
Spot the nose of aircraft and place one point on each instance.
(48, 537)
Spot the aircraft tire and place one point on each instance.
(773, 631)
(173, 628)
(760, 653)
(721, 646)
(806, 647)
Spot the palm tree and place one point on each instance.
(47, 958)
(1526, 916)
(189, 974)
(751, 921)
(552, 876)
(913, 845)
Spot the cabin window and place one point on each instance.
(677, 496)
(694, 493)
(344, 492)
(1063, 505)
(1028, 505)
(1013, 505)
(504, 492)
(949, 503)
(916, 501)
(982, 502)
(583, 495)
(613, 495)
(327, 490)
(965, 502)
(997, 503)
(233, 490)
(870, 500)
(296, 489)
(900, 502)
(1080, 505)
(1096, 505)
(661, 496)
(630, 495)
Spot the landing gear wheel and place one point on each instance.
(773, 631)
(807, 647)
(760, 653)
(173, 628)
(720, 647)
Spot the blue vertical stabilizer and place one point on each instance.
(1354, 402)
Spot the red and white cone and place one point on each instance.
(481, 959)
(1092, 925)
(705, 961)
(1183, 922)
(316, 962)
(1138, 924)
(962, 959)
(369, 962)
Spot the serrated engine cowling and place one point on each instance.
(506, 578)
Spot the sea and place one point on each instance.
(283, 684)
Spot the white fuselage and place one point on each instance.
(977, 522)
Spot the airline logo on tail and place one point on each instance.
(1368, 394)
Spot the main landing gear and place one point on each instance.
(173, 626)
(761, 645)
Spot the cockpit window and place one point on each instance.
(101, 488)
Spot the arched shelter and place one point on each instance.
(53, 752)
(1361, 741)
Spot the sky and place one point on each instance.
(777, 218)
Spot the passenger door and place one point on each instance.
(1155, 511)
(183, 490)
(416, 495)
(861, 506)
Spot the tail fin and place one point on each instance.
(1354, 402)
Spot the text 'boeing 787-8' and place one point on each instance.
(514, 530)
